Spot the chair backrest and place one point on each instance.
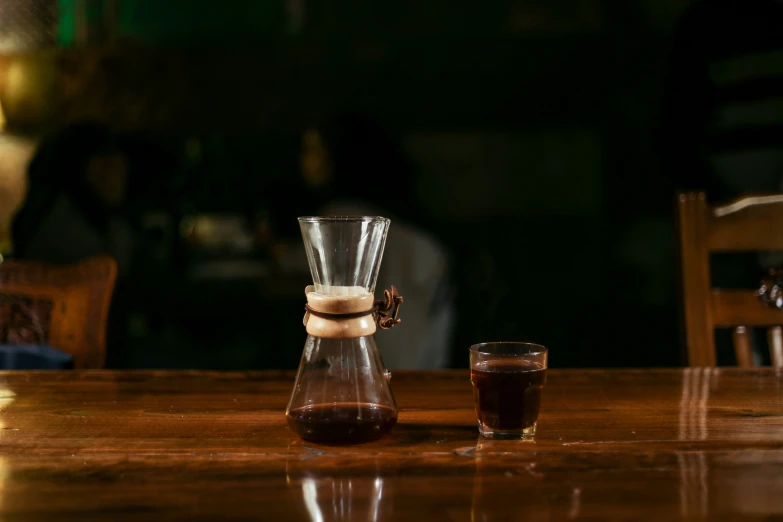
(753, 223)
(66, 307)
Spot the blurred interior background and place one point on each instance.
(530, 123)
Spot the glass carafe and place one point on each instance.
(342, 392)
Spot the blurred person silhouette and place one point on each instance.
(723, 115)
(77, 181)
(73, 210)
(359, 168)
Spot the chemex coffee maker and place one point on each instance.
(342, 393)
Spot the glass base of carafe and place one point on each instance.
(342, 393)
(342, 423)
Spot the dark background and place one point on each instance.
(532, 124)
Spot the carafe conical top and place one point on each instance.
(342, 392)
(344, 253)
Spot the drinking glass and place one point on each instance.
(507, 382)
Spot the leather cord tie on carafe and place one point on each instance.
(388, 310)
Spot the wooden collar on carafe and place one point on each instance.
(349, 316)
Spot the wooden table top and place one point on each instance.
(619, 444)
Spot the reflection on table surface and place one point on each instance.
(470, 488)
(650, 445)
(506, 484)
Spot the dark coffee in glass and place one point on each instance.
(508, 379)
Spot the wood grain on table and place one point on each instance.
(615, 444)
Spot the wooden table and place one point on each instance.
(640, 444)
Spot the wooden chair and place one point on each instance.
(66, 307)
(753, 223)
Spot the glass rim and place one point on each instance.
(343, 219)
(537, 349)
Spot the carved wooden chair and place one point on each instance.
(753, 223)
(66, 307)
